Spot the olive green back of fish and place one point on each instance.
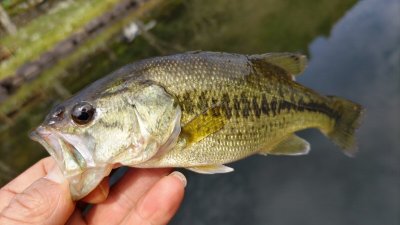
(234, 106)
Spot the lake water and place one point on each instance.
(354, 51)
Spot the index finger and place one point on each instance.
(24, 180)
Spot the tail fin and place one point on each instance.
(349, 119)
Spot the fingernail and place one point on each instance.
(55, 175)
(180, 176)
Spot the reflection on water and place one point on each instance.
(355, 53)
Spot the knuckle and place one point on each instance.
(6, 193)
(31, 202)
(136, 218)
(30, 206)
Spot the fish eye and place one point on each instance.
(82, 113)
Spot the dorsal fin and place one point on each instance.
(293, 63)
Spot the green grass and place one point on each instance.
(45, 80)
(44, 32)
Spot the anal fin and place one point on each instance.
(293, 145)
(211, 169)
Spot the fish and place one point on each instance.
(196, 110)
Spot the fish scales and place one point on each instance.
(197, 110)
(258, 106)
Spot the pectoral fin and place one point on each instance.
(293, 145)
(211, 169)
(291, 62)
(203, 125)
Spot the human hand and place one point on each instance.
(40, 195)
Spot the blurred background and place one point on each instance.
(51, 49)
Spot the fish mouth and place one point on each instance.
(73, 158)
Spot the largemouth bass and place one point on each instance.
(197, 110)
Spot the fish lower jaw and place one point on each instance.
(81, 184)
(72, 173)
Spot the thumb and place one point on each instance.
(46, 201)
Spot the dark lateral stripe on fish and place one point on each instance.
(226, 106)
(244, 106)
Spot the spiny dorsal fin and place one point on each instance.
(293, 63)
(203, 125)
(211, 169)
(293, 145)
